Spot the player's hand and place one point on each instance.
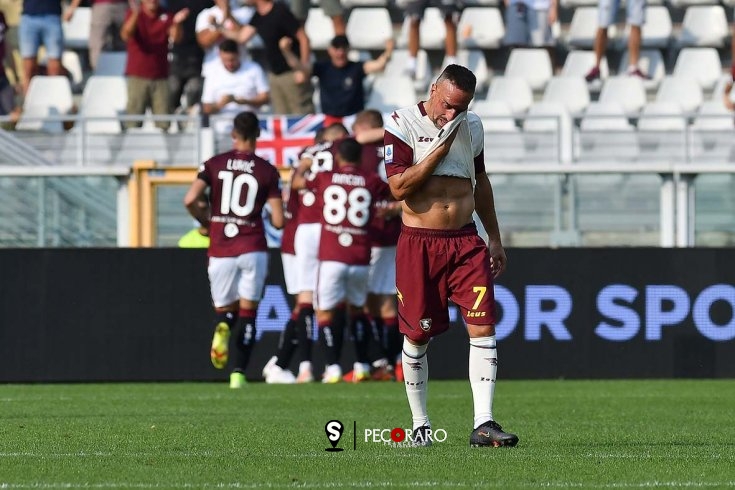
(498, 260)
(443, 148)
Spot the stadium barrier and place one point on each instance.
(80, 315)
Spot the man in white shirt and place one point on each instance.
(210, 25)
(233, 86)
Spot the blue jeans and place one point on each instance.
(37, 30)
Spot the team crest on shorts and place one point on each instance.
(425, 324)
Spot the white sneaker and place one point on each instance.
(268, 365)
(279, 376)
(333, 374)
(305, 374)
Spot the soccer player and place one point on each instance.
(346, 196)
(239, 184)
(384, 230)
(301, 275)
(436, 165)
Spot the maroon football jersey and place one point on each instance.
(291, 215)
(240, 184)
(323, 156)
(346, 197)
(383, 232)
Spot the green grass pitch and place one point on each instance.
(573, 434)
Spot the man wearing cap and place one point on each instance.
(341, 80)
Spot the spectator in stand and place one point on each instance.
(332, 8)
(529, 22)
(8, 107)
(291, 90)
(147, 30)
(108, 17)
(210, 28)
(12, 10)
(40, 24)
(635, 17)
(341, 80)
(414, 12)
(186, 58)
(233, 86)
(238, 251)
(347, 194)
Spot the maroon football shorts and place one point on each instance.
(435, 266)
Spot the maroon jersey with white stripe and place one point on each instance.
(346, 197)
(383, 232)
(323, 156)
(240, 184)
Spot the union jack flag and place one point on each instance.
(283, 137)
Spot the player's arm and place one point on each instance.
(276, 214)
(298, 180)
(407, 183)
(372, 135)
(196, 202)
(485, 208)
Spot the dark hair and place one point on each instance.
(246, 126)
(350, 150)
(334, 131)
(229, 46)
(370, 117)
(459, 76)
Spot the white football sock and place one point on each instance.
(483, 369)
(416, 376)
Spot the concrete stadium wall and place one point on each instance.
(75, 315)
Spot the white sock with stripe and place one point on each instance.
(416, 376)
(482, 370)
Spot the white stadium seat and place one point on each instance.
(570, 91)
(104, 97)
(531, 64)
(702, 64)
(47, 96)
(627, 91)
(319, 28)
(481, 27)
(704, 25)
(651, 63)
(684, 91)
(514, 91)
(369, 28)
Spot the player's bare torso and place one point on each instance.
(442, 203)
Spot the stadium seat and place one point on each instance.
(391, 92)
(606, 134)
(574, 4)
(474, 59)
(514, 91)
(76, 31)
(583, 28)
(373, 37)
(656, 31)
(711, 134)
(570, 91)
(627, 91)
(481, 28)
(703, 64)
(397, 65)
(684, 91)
(71, 62)
(432, 31)
(548, 131)
(319, 28)
(651, 63)
(688, 3)
(47, 96)
(531, 64)
(503, 139)
(579, 63)
(111, 63)
(349, 4)
(104, 97)
(704, 25)
(662, 132)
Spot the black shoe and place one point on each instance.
(490, 434)
(421, 436)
